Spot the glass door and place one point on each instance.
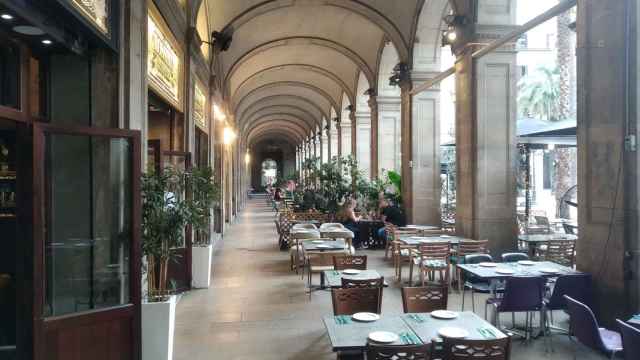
(86, 242)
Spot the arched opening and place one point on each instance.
(269, 172)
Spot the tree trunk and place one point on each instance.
(563, 158)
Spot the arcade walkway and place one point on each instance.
(258, 309)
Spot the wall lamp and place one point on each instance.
(218, 113)
(228, 136)
(247, 158)
(454, 23)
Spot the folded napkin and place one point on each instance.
(342, 319)
(409, 338)
(487, 333)
(636, 317)
(417, 318)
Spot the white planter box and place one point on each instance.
(201, 266)
(158, 325)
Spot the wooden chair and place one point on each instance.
(401, 252)
(561, 252)
(351, 301)
(467, 247)
(424, 299)
(398, 352)
(461, 349)
(350, 262)
(363, 283)
(432, 259)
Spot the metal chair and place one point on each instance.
(577, 286)
(474, 284)
(514, 257)
(585, 328)
(521, 294)
(630, 340)
(425, 299)
(362, 283)
(350, 262)
(351, 301)
(398, 352)
(461, 349)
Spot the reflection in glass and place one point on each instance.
(88, 223)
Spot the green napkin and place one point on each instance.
(417, 318)
(487, 333)
(342, 319)
(409, 338)
(636, 317)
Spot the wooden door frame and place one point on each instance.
(132, 309)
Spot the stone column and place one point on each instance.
(388, 133)
(327, 138)
(363, 139)
(339, 137)
(334, 138)
(321, 145)
(406, 145)
(316, 146)
(354, 131)
(345, 130)
(373, 108)
(486, 136)
(426, 153)
(609, 183)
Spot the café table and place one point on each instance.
(338, 233)
(347, 334)
(420, 227)
(635, 321)
(325, 245)
(533, 241)
(333, 278)
(416, 241)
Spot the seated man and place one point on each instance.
(391, 213)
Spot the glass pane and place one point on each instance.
(9, 75)
(88, 223)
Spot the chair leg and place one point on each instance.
(473, 303)
(410, 272)
(464, 290)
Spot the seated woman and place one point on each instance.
(348, 218)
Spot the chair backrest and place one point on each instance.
(462, 349)
(568, 229)
(467, 247)
(514, 257)
(351, 301)
(358, 262)
(435, 251)
(304, 226)
(522, 294)
(630, 340)
(561, 252)
(424, 299)
(362, 283)
(577, 286)
(398, 352)
(583, 323)
(542, 220)
(477, 258)
(323, 258)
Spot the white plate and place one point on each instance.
(549, 271)
(505, 271)
(383, 337)
(317, 242)
(445, 236)
(488, 264)
(365, 316)
(453, 333)
(526, 262)
(351, 271)
(444, 314)
(323, 247)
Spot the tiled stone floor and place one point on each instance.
(257, 309)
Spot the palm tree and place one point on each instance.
(539, 94)
(563, 156)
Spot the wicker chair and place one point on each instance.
(462, 349)
(401, 252)
(432, 259)
(351, 301)
(350, 262)
(398, 352)
(561, 252)
(467, 247)
(362, 283)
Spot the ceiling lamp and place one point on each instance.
(228, 136)
(6, 17)
(247, 158)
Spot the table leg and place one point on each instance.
(532, 250)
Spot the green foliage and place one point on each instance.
(205, 194)
(539, 94)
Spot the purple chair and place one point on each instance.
(521, 294)
(630, 340)
(577, 286)
(584, 327)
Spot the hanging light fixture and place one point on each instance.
(228, 135)
(454, 23)
(247, 158)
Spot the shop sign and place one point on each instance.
(164, 64)
(199, 108)
(96, 11)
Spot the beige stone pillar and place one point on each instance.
(363, 139)
(486, 140)
(608, 247)
(345, 138)
(373, 143)
(426, 153)
(406, 145)
(388, 133)
(354, 131)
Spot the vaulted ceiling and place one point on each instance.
(291, 61)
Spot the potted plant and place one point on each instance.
(204, 195)
(165, 213)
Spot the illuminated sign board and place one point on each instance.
(96, 11)
(199, 108)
